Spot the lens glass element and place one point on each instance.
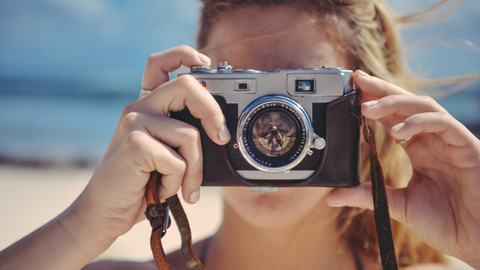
(274, 132)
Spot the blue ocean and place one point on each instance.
(54, 120)
(68, 68)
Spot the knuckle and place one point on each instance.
(184, 48)
(428, 99)
(188, 80)
(168, 189)
(151, 58)
(418, 118)
(191, 133)
(190, 86)
(129, 108)
(433, 103)
(446, 116)
(392, 100)
(215, 109)
(197, 174)
(180, 166)
(136, 140)
(130, 119)
(393, 97)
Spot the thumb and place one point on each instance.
(361, 196)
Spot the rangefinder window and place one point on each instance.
(242, 85)
(305, 86)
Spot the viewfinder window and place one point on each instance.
(243, 86)
(305, 86)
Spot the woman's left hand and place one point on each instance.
(441, 203)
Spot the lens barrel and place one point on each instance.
(274, 133)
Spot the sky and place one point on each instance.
(53, 33)
(456, 52)
(112, 33)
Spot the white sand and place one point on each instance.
(43, 193)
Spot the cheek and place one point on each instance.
(285, 207)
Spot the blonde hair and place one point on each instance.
(368, 32)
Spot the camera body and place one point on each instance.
(288, 128)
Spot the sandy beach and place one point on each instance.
(44, 192)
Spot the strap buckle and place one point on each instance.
(166, 221)
(154, 213)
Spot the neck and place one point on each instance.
(307, 244)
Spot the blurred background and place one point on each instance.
(68, 68)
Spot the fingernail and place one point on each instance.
(195, 196)
(204, 58)
(371, 103)
(398, 127)
(362, 73)
(224, 134)
(336, 205)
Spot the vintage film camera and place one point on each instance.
(289, 127)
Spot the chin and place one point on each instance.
(280, 209)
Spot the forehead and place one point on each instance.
(283, 37)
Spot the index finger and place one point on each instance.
(160, 64)
(185, 91)
(376, 87)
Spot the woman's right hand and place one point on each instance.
(114, 198)
(143, 142)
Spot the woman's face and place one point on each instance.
(306, 46)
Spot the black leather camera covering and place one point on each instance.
(337, 165)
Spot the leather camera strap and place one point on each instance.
(380, 204)
(157, 214)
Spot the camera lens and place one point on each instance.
(274, 133)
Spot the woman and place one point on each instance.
(294, 228)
